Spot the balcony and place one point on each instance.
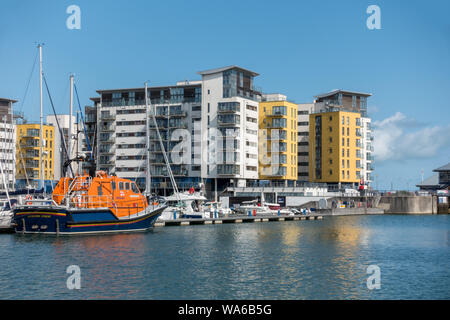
(110, 128)
(278, 147)
(107, 117)
(278, 111)
(233, 120)
(277, 135)
(107, 151)
(107, 162)
(228, 169)
(229, 107)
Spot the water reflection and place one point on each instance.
(324, 259)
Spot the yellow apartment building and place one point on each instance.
(278, 139)
(335, 147)
(28, 154)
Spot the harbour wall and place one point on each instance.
(409, 204)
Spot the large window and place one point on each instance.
(279, 111)
(279, 123)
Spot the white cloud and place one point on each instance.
(394, 139)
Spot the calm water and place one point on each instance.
(324, 259)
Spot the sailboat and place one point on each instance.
(82, 204)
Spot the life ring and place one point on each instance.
(28, 197)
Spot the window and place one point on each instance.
(348, 131)
(209, 93)
(331, 129)
(134, 188)
(348, 142)
(121, 185)
(99, 190)
(113, 185)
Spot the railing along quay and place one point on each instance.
(236, 219)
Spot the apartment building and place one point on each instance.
(335, 149)
(229, 128)
(29, 158)
(118, 134)
(335, 101)
(304, 110)
(278, 139)
(7, 144)
(61, 123)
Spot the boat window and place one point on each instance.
(127, 186)
(113, 185)
(99, 190)
(134, 188)
(120, 185)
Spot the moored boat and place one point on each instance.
(85, 205)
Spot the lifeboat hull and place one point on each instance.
(62, 221)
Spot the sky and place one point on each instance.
(299, 48)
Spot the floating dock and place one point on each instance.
(235, 219)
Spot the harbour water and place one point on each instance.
(319, 259)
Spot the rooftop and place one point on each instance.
(8, 100)
(431, 181)
(443, 168)
(333, 92)
(217, 70)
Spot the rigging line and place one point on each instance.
(59, 128)
(28, 83)
(82, 120)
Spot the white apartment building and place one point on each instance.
(7, 144)
(230, 106)
(120, 137)
(304, 110)
(366, 150)
(60, 155)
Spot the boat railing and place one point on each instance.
(40, 203)
(80, 183)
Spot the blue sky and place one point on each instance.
(300, 48)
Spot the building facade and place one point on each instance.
(118, 135)
(7, 144)
(29, 158)
(278, 139)
(359, 169)
(335, 148)
(61, 143)
(229, 128)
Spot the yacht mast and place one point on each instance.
(42, 117)
(148, 182)
(69, 135)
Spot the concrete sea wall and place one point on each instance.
(409, 204)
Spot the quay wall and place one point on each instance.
(409, 204)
